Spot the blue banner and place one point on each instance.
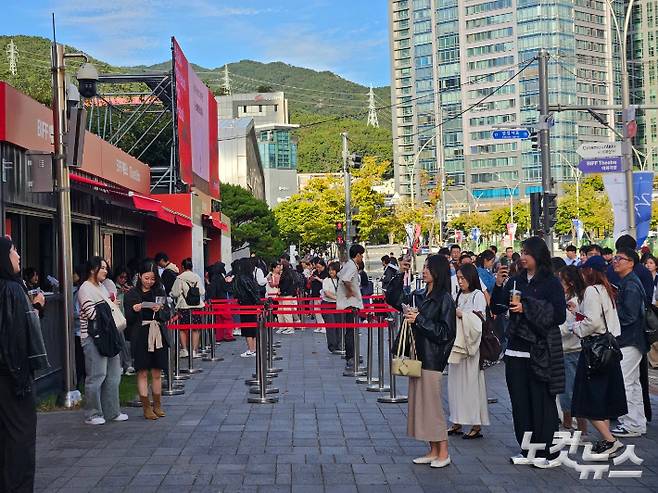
(643, 188)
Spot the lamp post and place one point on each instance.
(511, 195)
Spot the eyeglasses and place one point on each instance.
(618, 258)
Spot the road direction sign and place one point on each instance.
(591, 150)
(601, 165)
(520, 133)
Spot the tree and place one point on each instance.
(592, 207)
(252, 222)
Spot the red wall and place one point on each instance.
(174, 240)
(214, 246)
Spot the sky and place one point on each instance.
(348, 37)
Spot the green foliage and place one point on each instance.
(308, 218)
(320, 146)
(252, 222)
(494, 221)
(592, 206)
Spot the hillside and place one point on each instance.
(313, 97)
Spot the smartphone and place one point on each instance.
(149, 304)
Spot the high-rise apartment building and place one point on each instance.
(643, 70)
(458, 58)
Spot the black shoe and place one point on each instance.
(607, 448)
(350, 364)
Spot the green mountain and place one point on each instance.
(323, 103)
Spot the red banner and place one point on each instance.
(196, 120)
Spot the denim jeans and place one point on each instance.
(570, 365)
(102, 383)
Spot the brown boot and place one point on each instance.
(157, 406)
(148, 410)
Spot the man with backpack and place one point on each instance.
(188, 290)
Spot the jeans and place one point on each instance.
(635, 420)
(570, 366)
(102, 383)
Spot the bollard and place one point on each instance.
(392, 398)
(261, 368)
(369, 379)
(177, 370)
(171, 389)
(380, 386)
(357, 370)
(211, 356)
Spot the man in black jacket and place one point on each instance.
(288, 289)
(168, 271)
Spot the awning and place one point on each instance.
(144, 203)
(88, 181)
(166, 215)
(183, 221)
(214, 221)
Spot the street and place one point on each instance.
(326, 434)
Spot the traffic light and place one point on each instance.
(534, 138)
(550, 210)
(356, 230)
(356, 160)
(535, 212)
(444, 230)
(340, 233)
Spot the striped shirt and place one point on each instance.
(89, 295)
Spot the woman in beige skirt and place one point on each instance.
(434, 326)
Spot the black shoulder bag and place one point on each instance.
(600, 351)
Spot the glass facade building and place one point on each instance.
(451, 57)
(278, 150)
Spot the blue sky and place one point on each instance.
(349, 37)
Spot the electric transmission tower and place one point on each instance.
(227, 81)
(12, 56)
(372, 109)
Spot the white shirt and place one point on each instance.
(572, 261)
(349, 274)
(472, 302)
(454, 286)
(329, 285)
(260, 277)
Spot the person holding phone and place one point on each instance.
(433, 319)
(146, 313)
(534, 363)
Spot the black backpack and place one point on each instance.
(104, 332)
(193, 295)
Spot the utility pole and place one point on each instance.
(628, 115)
(348, 192)
(12, 57)
(544, 144)
(372, 110)
(71, 395)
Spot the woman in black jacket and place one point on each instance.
(434, 328)
(19, 337)
(148, 338)
(534, 362)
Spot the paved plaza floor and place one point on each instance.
(326, 434)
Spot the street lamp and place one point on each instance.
(511, 195)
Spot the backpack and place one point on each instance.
(193, 295)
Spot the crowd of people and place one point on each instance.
(545, 313)
(552, 316)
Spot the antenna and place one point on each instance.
(227, 81)
(372, 109)
(12, 56)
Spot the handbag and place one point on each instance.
(600, 351)
(490, 347)
(406, 366)
(651, 324)
(117, 315)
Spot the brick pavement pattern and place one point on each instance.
(326, 434)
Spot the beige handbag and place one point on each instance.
(404, 366)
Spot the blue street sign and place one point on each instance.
(601, 165)
(521, 133)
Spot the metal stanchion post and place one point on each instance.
(271, 369)
(177, 370)
(369, 379)
(171, 389)
(393, 398)
(357, 370)
(211, 356)
(380, 386)
(261, 368)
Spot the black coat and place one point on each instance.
(218, 289)
(134, 319)
(436, 324)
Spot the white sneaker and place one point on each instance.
(130, 370)
(547, 464)
(289, 331)
(237, 332)
(323, 330)
(318, 330)
(121, 417)
(248, 354)
(423, 460)
(96, 420)
(520, 460)
(440, 463)
(196, 355)
(280, 331)
(183, 353)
